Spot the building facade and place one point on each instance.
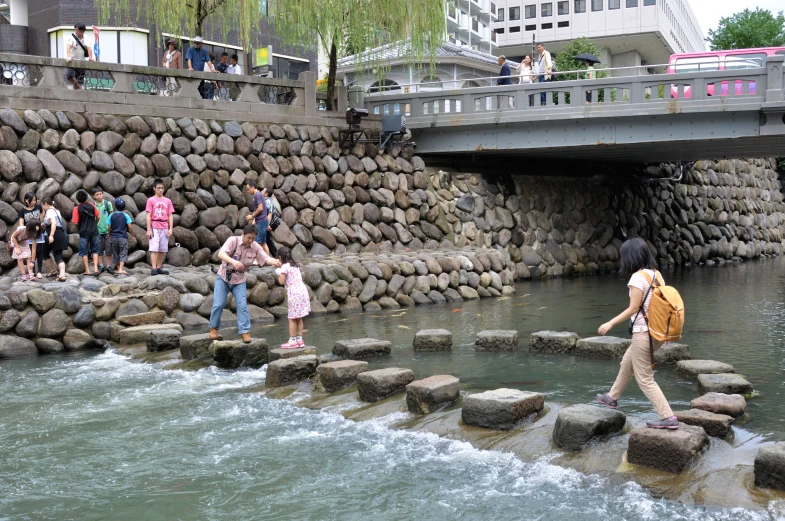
(631, 33)
(469, 24)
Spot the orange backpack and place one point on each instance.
(666, 311)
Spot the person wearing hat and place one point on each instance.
(197, 56)
(173, 59)
(77, 50)
(119, 222)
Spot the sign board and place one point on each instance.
(263, 56)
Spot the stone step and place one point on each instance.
(608, 347)
(278, 353)
(195, 346)
(671, 353)
(770, 466)
(720, 403)
(500, 409)
(138, 334)
(163, 339)
(141, 319)
(432, 340)
(664, 449)
(724, 383)
(361, 348)
(553, 341)
(717, 425)
(496, 340)
(334, 376)
(578, 424)
(233, 354)
(693, 368)
(426, 395)
(373, 386)
(287, 371)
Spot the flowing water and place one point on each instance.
(107, 437)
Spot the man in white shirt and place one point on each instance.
(546, 68)
(77, 50)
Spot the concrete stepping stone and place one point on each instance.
(432, 340)
(195, 346)
(360, 348)
(381, 383)
(428, 394)
(287, 371)
(731, 404)
(500, 409)
(163, 340)
(334, 376)
(496, 340)
(671, 353)
(140, 319)
(553, 341)
(723, 383)
(138, 334)
(578, 424)
(770, 466)
(609, 347)
(233, 354)
(717, 425)
(666, 450)
(278, 353)
(693, 368)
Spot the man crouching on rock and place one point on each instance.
(237, 255)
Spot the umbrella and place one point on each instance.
(588, 57)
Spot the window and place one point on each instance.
(564, 8)
(431, 83)
(563, 24)
(745, 61)
(580, 6)
(531, 11)
(596, 5)
(532, 27)
(516, 29)
(500, 14)
(632, 3)
(547, 9)
(649, 2)
(708, 63)
(547, 26)
(515, 13)
(451, 11)
(614, 4)
(499, 30)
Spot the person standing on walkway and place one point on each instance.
(504, 73)
(637, 259)
(546, 69)
(55, 239)
(237, 255)
(86, 216)
(258, 215)
(104, 239)
(119, 222)
(590, 75)
(76, 50)
(160, 222)
(173, 59)
(297, 297)
(524, 69)
(222, 86)
(196, 57)
(32, 211)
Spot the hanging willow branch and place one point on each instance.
(362, 26)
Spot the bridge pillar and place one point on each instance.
(356, 97)
(776, 78)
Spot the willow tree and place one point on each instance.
(363, 26)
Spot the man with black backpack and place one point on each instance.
(77, 50)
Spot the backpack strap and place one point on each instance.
(657, 281)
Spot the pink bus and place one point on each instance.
(721, 61)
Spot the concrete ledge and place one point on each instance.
(500, 409)
(424, 396)
(666, 450)
(578, 424)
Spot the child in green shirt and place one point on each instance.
(105, 209)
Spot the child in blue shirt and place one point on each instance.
(119, 222)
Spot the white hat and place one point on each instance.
(198, 39)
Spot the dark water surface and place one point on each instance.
(107, 437)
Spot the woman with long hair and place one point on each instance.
(55, 239)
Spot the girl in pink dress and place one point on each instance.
(297, 296)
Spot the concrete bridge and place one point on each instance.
(629, 119)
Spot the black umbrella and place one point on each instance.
(588, 57)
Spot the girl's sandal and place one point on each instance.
(62, 279)
(51, 274)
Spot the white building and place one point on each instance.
(630, 32)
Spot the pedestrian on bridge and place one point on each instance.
(546, 68)
(504, 79)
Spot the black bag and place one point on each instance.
(275, 219)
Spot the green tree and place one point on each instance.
(361, 25)
(748, 29)
(565, 59)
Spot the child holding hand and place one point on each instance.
(297, 296)
(23, 252)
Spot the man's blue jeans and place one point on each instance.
(220, 293)
(543, 95)
(261, 232)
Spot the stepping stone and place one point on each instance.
(666, 450)
(723, 383)
(140, 319)
(731, 404)
(424, 396)
(278, 353)
(432, 340)
(770, 466)
(334, 376)
(381, 383)
(553, 341)
(609, 347)
(232, 354)
(163, 340)
(693, 368)
(138, 334)
(496, 340)
(500, 409)
(578, 424)
(289, 371)
(717, 425)
(361, 348)
(195, 346)
(671, 353)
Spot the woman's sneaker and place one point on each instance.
(605, 399)
(291, 344)
(671, 423)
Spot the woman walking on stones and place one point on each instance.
(237, 255)
(296, 296)
(637, 259)
(55, 240)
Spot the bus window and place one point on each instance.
(744, 61)
(704, 64)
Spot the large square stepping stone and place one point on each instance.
(609, 347)
(731, 404)
(373, 386)
(428, 394)
(278, 353)
(723, 383)
(717, 425)
(289, 371)
(500, 409)
(233, 354)
(578, 424)
(432, 340)
(361, 348)
(195, 346)
(664, 449)
(138, 334)
(693, 368)
(496, 340)
(163, 340)
(770, 466)
(553, 341)
(668, 355)
(334, 376)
